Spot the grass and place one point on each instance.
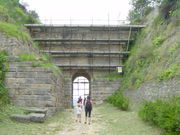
(3, 69)
(111, 76)
(106, 120)
(42, 61)
(50, 127)
(14, 31)
(116, 122)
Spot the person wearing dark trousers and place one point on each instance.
(88, 109)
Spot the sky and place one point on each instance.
(80, 11)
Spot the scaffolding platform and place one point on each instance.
(81, 40)
(86, 52)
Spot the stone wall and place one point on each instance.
(35, 86)
(15, 46)
(154, 90)
(101, 88)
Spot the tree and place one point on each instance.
(141, 8)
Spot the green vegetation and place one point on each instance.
(14, 31)
(12, 17)
(3, 91)
(163, 113)
(169, 73)
(118, 100)
(117, 122)
(112, 76)
(141, 8)
(158, 41)
(50, 127)
(40, 60)
(6, 111)
(154, 55)
(14, 12)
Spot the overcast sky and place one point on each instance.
(80, 11)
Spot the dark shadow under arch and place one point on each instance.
(81, 73)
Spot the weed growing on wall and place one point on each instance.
(112, 76)
(40, 60)
(158, 41)
(169, 73)
(3, 68)
(163, 113)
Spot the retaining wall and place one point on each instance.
(154, 90)
(35, 86)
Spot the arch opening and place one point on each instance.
(81, 87)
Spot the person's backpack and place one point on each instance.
(88, 105)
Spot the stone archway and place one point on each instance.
(80, 86)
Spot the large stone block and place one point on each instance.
(37, 117)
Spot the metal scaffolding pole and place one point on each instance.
(129, 39)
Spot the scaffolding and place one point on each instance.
(91, 53)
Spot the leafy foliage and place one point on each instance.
(14, 12)
(142, 8)
(118, 100)
(3, 91)
(163, 113)
(168, 8)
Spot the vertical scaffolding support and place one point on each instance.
(70, 48)
(109, 44)
(129, 36)
(91, 56)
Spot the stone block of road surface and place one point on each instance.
(37, 117)
(21, 118)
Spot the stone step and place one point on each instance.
(36, 110)
(37, 117)
(21, 118)
(32, 117)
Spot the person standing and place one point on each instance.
(78, 112)
(88, 109)
(80, 100)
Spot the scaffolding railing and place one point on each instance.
(81, 40)
(85, 21)
(87, 52)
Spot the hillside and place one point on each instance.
(16, 44)
(151, 76)
(155, 54)
(13, 35)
